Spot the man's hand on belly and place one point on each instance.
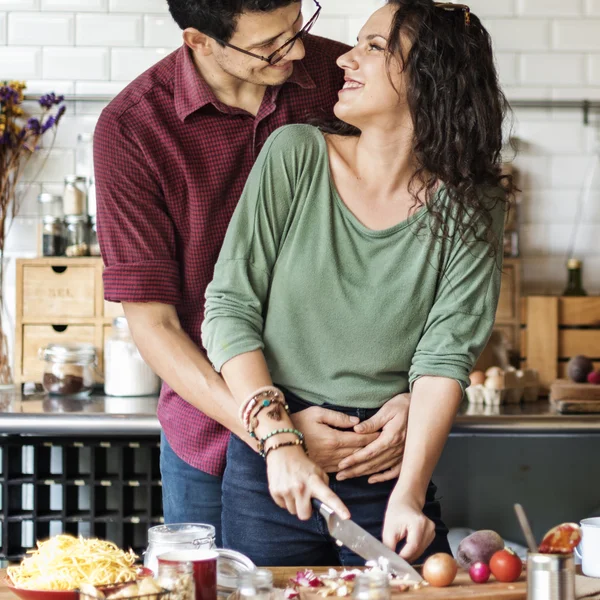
(382, 458)
(326, 444)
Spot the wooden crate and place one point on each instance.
(556, 328)
(58, 300)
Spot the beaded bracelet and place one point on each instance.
(261, 442)
(284, 445)
(253, 420)
(250, 403)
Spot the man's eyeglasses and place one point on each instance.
(282, 51)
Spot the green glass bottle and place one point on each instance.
(574, 283)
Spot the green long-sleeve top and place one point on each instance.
(344, 314)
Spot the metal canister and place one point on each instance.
(550, 576)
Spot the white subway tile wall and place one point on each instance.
(544, 49)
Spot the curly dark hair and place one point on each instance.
(218, 18)
(458, 111)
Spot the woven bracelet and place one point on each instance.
(284, 445)
(261, 442)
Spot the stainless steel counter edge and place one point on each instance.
(78, 424)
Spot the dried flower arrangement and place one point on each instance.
(20, 138)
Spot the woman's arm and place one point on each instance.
(293, 478)
(433, 406)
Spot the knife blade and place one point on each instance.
(361, 542)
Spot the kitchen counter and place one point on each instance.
(43, 415)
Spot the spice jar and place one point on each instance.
(177, 536)
(69, 369)
(178, 578)
(125, 371)
(50, 205)
(77, 235)
(255, 585)
(53, 236)
(94, 245)
(75, 195)
(373, 585)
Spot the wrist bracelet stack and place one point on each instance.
(263, 398)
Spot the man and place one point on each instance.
(172, 154)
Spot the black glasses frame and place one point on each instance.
(277, 55)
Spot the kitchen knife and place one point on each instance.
(361, 542)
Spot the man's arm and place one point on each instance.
(174, 357)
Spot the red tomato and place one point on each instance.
(506, 565)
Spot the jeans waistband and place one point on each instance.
(297, 404)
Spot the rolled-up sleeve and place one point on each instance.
(135, 232)
(463, 314)
(237, 295)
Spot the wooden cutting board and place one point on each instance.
(462, 587)
(570, 397)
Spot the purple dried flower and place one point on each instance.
(59, 114)
(49, 100)
(34, 126)
(9, 95)
(50, 121)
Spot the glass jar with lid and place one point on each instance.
(77, 235)
(75, 195)
(50, 205)
(177, 536)
(94, 245)
(125, 371)
(68, 369)
(53, 236)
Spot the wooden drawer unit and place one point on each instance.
(59, 300)
(54, 291)
(38, 336)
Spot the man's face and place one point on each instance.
(262, 33)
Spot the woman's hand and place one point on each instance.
(404, 519)
(381, 458)
(294, 479)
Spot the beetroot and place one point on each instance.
(594, 377)
(478, 547)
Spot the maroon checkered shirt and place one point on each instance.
(170, 165)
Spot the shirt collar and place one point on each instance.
(192, 92)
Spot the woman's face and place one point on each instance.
(368, 96)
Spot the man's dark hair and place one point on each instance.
(218, 18)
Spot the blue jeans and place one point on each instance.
(189, 495)
(254, 525)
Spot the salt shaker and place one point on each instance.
(550, 576)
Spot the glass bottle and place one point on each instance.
(373, 585)
(84, 159)
(75, 195)
(178, 578)
(91, 197)
(255, 585)
(574, 282)
(77, 235)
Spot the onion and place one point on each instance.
(440, 569)
(479, 572)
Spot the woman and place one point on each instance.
(360, 265)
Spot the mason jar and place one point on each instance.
(75, 195)
(53, 236)
(50, 205)
(373, 585)
(177, 536)
(255, 585)
(94, 245)
(68, 369)
(77, 235)
(125, 371)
